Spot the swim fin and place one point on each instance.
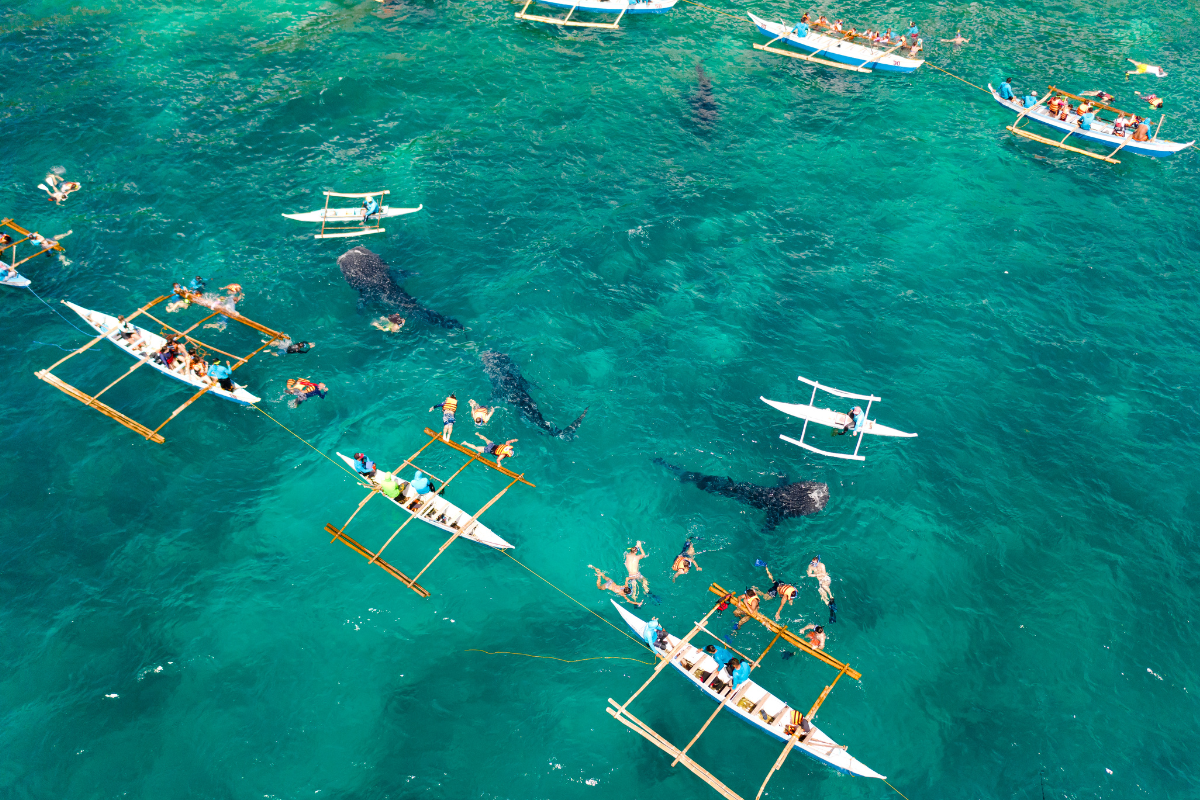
(832, 610)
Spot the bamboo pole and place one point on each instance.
(1062, 146)
(787, 635)
(1017, 120)
(1154, 138)
(107, 411)
(467, 451)
(787, 749)
(812, 712)
(758, 660)
(729, 698)
(881, 55)
(233, 315)
(726, 644)
(678, 648)
(419, 510)
(358, 548)
(141, 363)
(1089, 100)
(463, 528)
(103, 336)
(324, 214)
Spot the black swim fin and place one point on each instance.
(832, 610)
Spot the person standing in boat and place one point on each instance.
(685, 561)
(222, 374)
(1006, 90)
(448, 407)
(369, 207)
(364, 466)
(490, 448)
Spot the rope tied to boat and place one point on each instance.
(968, 83)
(581, 605)
(555, 658)
(310, 444)
(894, 789)
(56, 311)
(714, 10)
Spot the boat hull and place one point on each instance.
(613, 6)
(19, 281)
(834, 49)
(833, 419)
(1100, 133)
(434, 508)
(817, 745)
(350, 214)
(107, 325)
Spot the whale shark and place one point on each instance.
(370, 275)
(780, 502)
(508, 384)
(704, 107)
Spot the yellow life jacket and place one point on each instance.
(505, 450)
(450, 406)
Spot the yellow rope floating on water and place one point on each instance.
(894, 789)
(968, 83)
(554, 658)
(714, 10)
(301, 438)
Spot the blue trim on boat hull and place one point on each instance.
(1129, 148)
(876, 66)
(628, 9)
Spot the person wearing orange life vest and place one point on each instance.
(490, 448)
(784, 591)
(448, 407)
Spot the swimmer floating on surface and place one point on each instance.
(624, 591)
(58, 189)
(481, 414)
(490, 448)
(1145, 69)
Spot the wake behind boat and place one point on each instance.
(437, 511)
(1067, 120)
(834, 50)
(147, 344)
(755, 706)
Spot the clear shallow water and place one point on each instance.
(1006, 582)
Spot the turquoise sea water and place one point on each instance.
(1018, 585)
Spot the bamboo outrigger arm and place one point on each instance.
(787, 635)
(468, 451)
(567, 22)
(233, 315)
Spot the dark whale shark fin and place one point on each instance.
(773, 519)
(569, 431)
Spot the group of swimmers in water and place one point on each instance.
(882, 38)
(481, 415)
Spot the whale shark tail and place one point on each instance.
(569, 431)
(665, 465)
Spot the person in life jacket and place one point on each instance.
(448, 407)
(685, 561)
(784, 591)
(304, 389)
(363, 465)
(490, 448)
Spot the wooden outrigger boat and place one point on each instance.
(749, 701)
(833, 419)
(144, 349)
(8, 272)
(1101, 131)
(832, 49)
(618, 7)
(432, 508)
(329, 217)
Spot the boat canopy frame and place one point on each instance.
(620, 711)
(375, 557)
(153, 435)
(344, 232)
(567, 22)
(870, 398)
(26, 235)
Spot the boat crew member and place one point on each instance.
(363, 465)
(1086, 119)
(389, 486)
(739, 671)
(389, 324)
(1006, 90)
(816, 569)
(784, 591)
(420, 483)
(1141, 133)
(448, 407)
(625, 592)
(913, 31)
(817, 636)
(745, 607)
(719, 655)
(685, 560)
(490, 448)
(801, 29)
(481, 414)
(369, 207)
(224, 375)
(127, 332)
(854, 425)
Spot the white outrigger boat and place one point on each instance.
(834, 50)
(338, 223)
(618, 7)
(756, 706)
(351, 214)
(15, 279)
(150, 343)
(437, 511)
(1101, 131)
(833, 419)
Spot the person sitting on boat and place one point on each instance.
(800, 30)
(913, 31)
(490, 448)
(481, 414)
(223, 375)
(739, 671)
(1119, 125)
(364, 466)
(796, 719)
(389, 486)
(1006, 90)
(168, 352)
(420, 483)
(650, 634)
(448, 407)
(126, 331)
(1086, 119)
(719, 655)
(685, 561)
(389, 324)
(199, 367)
(816, 638)
(1141, 133)
(369, 207)
(784, 591)
(1064, 111)
(745, 607)
(854, 425)
(607, 584)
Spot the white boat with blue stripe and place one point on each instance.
(618, 7)
(833, 49)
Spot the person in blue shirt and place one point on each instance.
(913, 30)
(1030, 101)
(1006, 90)
(739, 671)
(369, 207)
(420, 483)
(223, 375)
(1085, 121)
(800, 30)
(363, 465)
(854, 427)
(196, 284)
